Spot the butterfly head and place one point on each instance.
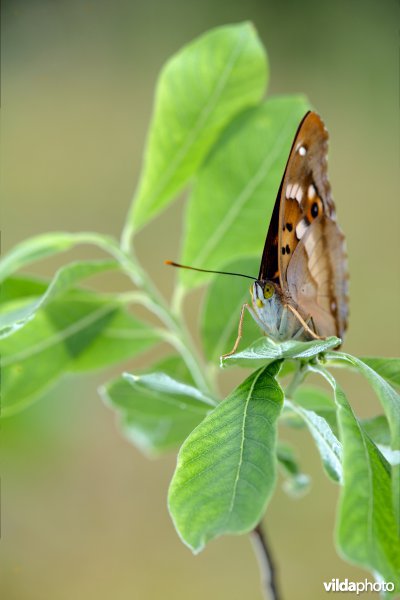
(268, 304)
(262, 293)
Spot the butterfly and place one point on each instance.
(301, 291)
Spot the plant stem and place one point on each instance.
(180, 335)
(152, 300)
(298, 378)
(177, 300)
(127, 236)
(266, 564)
(259, 539)
(185, 345)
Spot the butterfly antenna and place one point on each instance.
(174, 264)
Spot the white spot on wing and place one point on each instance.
(301, 228)
(311, 192)
(302, 151)
(293, 193)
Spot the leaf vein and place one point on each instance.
(238, 202)
(202, 119)
(249, 395)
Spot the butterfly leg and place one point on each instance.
(304, 324)
(300, 330)
(240, 329)
(282, 331)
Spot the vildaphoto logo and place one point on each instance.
(336, 585)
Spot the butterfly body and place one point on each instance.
(270, 311)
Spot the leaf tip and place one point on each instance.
(130, 377)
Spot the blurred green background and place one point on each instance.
(83, 513)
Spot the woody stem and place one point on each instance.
(266, 564)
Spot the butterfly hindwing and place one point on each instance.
(320, 289)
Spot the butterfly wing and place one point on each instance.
(305, 206)
(317, 277)
(292, 204)
(269, 267)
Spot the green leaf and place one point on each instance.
(366, 525)
(156, 411)
(388, 368)
(48, 244)
(64, 279)
(318, 401)
(378, 429)
(235, 190)
(220, 318)
(311, 398)
(123, 336)
(77, 331)
(388, 396)
(296, 483)
(199, 91)
(174, 366)
(34, 249)
(266, 349)
(327, 444)
(226, 468)
(18, 287)
(288, 368)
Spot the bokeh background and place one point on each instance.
(83, 513)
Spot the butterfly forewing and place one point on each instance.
(305, 250)
(269, 267)
(292, 204)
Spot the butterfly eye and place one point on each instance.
(268, 291)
